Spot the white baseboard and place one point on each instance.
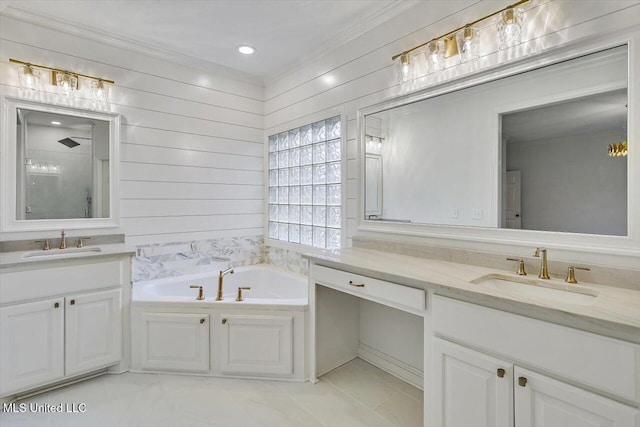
(390, 364)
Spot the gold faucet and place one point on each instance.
(240, 289)
(45, 247)
(521, 270)
(63, 242)
(222, 274)
(200, 296)
(544, 271)
(571, 273)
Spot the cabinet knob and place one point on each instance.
(224, 321)
(501, 372)
(522, 381)
(72, 302)
(202, 321)
(56, 305)
(357, 285)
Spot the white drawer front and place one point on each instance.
(60, 280)
(395, 295)
(603, 363)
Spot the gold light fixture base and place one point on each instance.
(450, 46)
(620, 149)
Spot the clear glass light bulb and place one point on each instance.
(405, 68)
(509, 28)
(435, 56)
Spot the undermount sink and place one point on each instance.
(59, 253)
(532, 288)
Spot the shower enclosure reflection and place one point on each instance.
(62, 166)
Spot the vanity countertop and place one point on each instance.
(14, 259)
(615, 312)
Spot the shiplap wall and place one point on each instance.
(360, 72)
(192, 139)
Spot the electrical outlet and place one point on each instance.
(476, 213)
(453, 213)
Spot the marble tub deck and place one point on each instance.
(355, 394)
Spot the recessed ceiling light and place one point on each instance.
(246, 50)
(56, 123)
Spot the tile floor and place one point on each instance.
(355, 394)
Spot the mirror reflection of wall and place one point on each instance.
(558, 169)
(445, 158)
(60, 166)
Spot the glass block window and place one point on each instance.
(305, 203)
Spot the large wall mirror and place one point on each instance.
(60, 169)
(538, 150)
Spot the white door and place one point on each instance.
(470, 388)
(256, 345)
(175, 342)
(93, 331)
(31, 344)
(543, 402)
(512, 206)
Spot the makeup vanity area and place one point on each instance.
(467, 179)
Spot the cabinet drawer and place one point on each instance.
(398, 296)
(60, 280)
(602, 363)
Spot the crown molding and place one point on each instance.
(148, 49)
(369, 22)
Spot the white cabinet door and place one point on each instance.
(256, 345)
(470, 388)
(93, 331)
(31, 344)
(174, 342)
(543, 402)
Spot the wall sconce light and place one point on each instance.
(509, 28)
(464, 41)
(468, 43)
(620, 149)
(373, 144)
(435, 56)
(67, 83)
(405, 69)
(29, 79)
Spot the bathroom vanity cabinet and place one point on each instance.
(61, 320)
(491, 368)
(485, 363)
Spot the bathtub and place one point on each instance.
(270, 287)
(260, 337)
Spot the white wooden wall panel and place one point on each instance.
(192, 138)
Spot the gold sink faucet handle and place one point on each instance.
(80, 243)
(200, 296)
(571, 273)
(521, 270)
(240, 289)
(45, 247)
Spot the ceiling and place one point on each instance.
(284, 32)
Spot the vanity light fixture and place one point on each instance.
(464, 41)
(620, 149)
(373, 143)
(67, 82)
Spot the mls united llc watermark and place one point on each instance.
(77, 408)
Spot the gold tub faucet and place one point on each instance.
(222, 274)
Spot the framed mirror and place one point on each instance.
(539, 138)
(536, 149)
(60, 167)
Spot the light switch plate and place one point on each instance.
(476, 213)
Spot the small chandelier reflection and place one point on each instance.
(468, 43)
(405, 69)
(29, 80)
(509, 28)
(435, 56)
(620, 149)
(373, 144)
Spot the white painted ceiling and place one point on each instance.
(282, 31)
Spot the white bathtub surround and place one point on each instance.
(292, 261)
(262, 336)
(601, 274)
(159, 261)
(160, 400)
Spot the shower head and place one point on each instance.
(69, 142)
